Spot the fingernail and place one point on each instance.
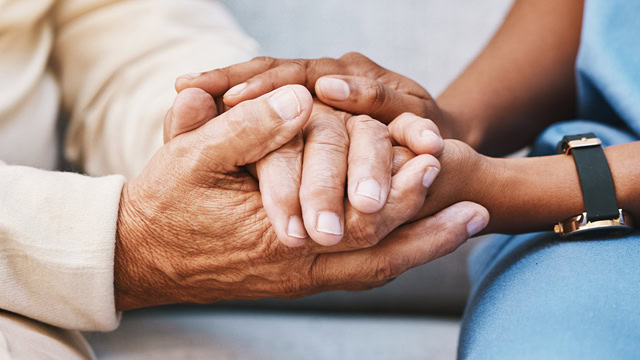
(476, 224)
(430, 136)
(329, 223)
(334, 89)
(296, 228)
(190, 76)
(236, 90)
(429, 176)
(369, 188)
(285, 103)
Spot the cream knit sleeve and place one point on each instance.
(57, 244)
(117, 62)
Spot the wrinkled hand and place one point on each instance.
(352, 83)
(338, 150)
(192, 226)
(335, 148)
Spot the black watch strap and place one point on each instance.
(596, 183)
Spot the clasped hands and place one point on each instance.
(246, 199)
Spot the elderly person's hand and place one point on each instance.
(336, 149)
(192, 226)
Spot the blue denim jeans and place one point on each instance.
(537, 297)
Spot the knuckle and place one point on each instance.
(328, 153)
(373, 128)
(355, 58)
(324, 113)
(390, 266)
(269, 248)
(245, 123)
(405, 206)
(298, 68)
(376, 93)
(293, 288)
(220, 73)
(363, 119)
(362, 234)
(406, 118)
(266, 60)
(318, 275)
(281, 162)
(301, 64)
(327, 135)
(385, 269)
(197, 155)
(288, 154)
(356, 63)
(272, 77)
(352, 55)
(447, 232)
(321, 189)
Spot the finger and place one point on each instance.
(323, 177)
(420, 135)
(191, 109)
(279, 175)
(301, 71)
(401, 155)
(407, 196)
(218, 81)
(362, 95)
(251, 130)
(307, 71)
(407, 247)
(369, 164)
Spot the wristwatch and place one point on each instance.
(602, 213)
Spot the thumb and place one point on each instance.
(251, 130)
(406, 247)
(191, 109)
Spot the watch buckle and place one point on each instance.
(579, 223)
(582, 142)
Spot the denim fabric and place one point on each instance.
(535, 297)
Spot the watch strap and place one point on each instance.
(598, 191)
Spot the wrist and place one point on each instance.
(129, 261)
(531, 194)
(487, 176)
